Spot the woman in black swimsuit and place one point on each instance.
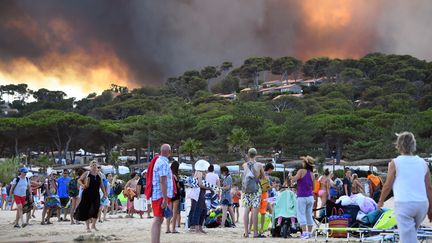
(88, 208)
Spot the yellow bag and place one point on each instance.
(265, 184)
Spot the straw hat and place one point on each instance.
(202, 165)
(308, 160)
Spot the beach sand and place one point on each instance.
(121, 230)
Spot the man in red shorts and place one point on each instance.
(162, 190)
(20, 187)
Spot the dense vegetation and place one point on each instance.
(356, 112)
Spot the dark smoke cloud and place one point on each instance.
(157, 39)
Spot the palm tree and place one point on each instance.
(191, 147)
(238, 141)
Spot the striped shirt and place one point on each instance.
(162, 168)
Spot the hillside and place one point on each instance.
(352, 113)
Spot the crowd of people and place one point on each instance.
(88, 196)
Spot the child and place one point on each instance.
(236, 195)
(3, 199)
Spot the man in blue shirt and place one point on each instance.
(63, 194)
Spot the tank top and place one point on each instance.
(409, 184)
(304, 185)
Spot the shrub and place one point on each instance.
(8, 170)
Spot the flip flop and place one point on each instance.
(259, 236)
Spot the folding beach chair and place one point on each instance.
(385, 224)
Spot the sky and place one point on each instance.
(83, 46)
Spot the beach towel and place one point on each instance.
(193, 183)
(149, 178)
(286, 205)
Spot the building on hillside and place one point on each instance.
(312, 82)
(291, 88)
(230, 97)
(6, 110)
(287, 95)
(274, 83)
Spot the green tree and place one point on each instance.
(191, 147)
(286, 66)
(316, 67)
(337, 130)
(238, 141)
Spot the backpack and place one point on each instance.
(117, 189)
(250, 183)
(17, 179)
(72, 188)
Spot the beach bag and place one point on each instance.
(117, 189)
(265, 184)
(140, 204)
(52, 201)
(267, 221)
(28, 206)
(250, 184)
(73, 189)
(338, 221)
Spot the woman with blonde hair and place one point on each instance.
(88, 208)
(409, 176)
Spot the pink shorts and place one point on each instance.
(321, 192)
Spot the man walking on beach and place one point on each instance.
(162, 190)
(63, 194)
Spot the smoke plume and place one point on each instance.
(82, 46)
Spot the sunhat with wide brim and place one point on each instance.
(308, 160)
(202, 165)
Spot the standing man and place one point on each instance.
(162, 190)
(252, 173)
(19, 189)
(63, 194)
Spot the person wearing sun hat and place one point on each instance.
(305, 199)
(198, 209)
(20, 187)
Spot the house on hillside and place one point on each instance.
(287, 95)
(274, 83)
(312, 82)
(6, 110)
(230, 97)
(291, 88)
